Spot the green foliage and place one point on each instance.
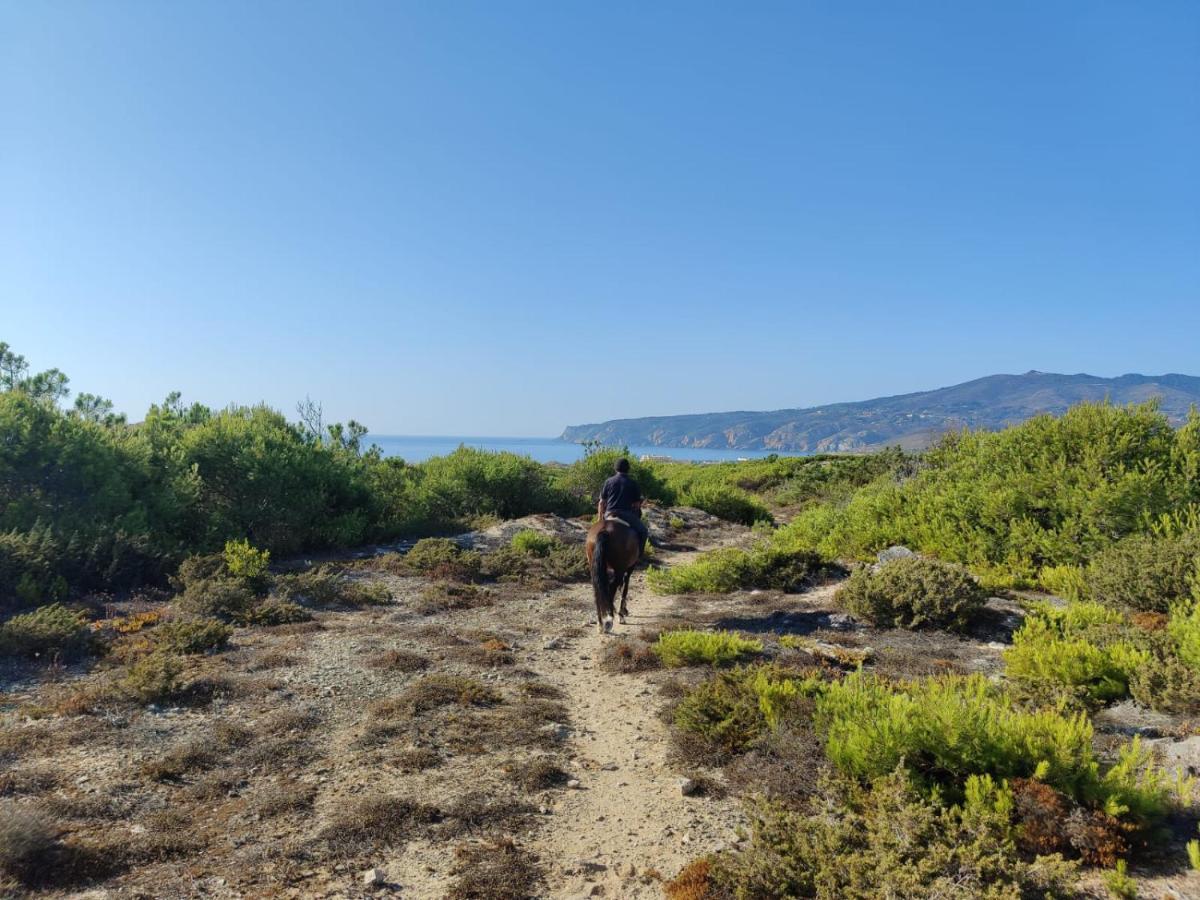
(581, 481)
(247, 564)
(1080, 650)
(226, 599)
(730, 569)
(947, 729)
(1067, 582)
(1193, 853)
(193, 636)
(1146, 572)
(1183, 626)
(1119, 883)
(726, 502)
(1166, 682)
(732, 709)
(889, 839)
(324, 586)
(561, 562)
(154, 678)
(1051, 491)
(49, 631)
(442, 558)
(534, 543)
(693, 648)
(275, 612)
(914, 592)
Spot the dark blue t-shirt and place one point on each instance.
(620, 493)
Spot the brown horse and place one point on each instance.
(612, 552)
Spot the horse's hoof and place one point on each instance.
(622, 620)
(608, 625)
(600, 627)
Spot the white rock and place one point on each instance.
(374, 877)
(573, 783)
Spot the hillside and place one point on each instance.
(911, 420)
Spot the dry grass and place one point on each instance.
(279, 798)
(692, 882)
(626, 657)
(193, 756)
(497, 870)
(398, 661)
(272, 659)
(434, 691)
(451, 596)
(376, 822)
(537, 775)
(491, 653)
(478, 814)
(416, 759)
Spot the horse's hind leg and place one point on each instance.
(625, 595)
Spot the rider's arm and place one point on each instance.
(600, 507)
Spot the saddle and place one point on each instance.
(611, 518)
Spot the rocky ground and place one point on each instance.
(426, 751)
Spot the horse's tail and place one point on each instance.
(600, 576)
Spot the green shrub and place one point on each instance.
(154, 678)
(1166, 682)
(913, 592)
(1145, 572)
(323, 586)
(276, 612)
(1079, 651)
(889, 840)
(692, 648)
(730, 569)
(442, 558)
(725, 502)
(733, 709)
(949, 728)
(1067, 582)
(226, 599)
(534, 543)
(562, 562)
(248, 564)
(46, 632)
(1119, 883)
(1184, 628)
(194, 636)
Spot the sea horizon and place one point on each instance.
(420, 447)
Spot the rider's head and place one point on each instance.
(622, 465)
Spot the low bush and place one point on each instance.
(497, 870)
(376, 822)
(913, 592)
(442, 558)
(726, 502)
(447, 596)
(196, 636)
(155, 678)
(29, 844)
(248, 564)
(730, 711)
(730, 569)
(1067, 582)
(538, 775)
(49, 631)
(1145, 572)
(1080, 652)
(274, 612)
(534, 543)
(434, 691)
(1166, 683)
(226, 599)
(693, 648)
(888, 839)
(561, 562)
(949, 728)
(398, 661)
(324, 586)
(628, 656)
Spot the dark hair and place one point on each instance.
(622, 465)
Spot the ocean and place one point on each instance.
(416, 448)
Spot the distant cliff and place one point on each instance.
(910, 420)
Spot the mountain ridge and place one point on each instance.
(913, 420)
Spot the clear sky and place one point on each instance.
(505, 217)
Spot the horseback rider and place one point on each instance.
(621, 498)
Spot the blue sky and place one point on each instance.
(507, 217)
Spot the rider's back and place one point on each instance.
(621, 492)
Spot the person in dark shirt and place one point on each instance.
(621, 497)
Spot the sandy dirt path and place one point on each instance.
(628, 819)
